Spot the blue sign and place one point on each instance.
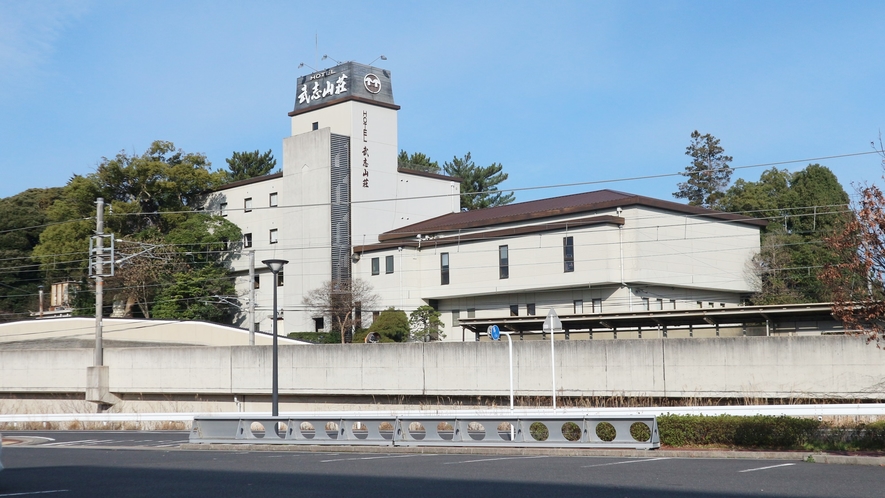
(494, 332)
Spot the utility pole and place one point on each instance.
(99, 278)
(252, 297)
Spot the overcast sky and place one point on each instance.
(558, 92)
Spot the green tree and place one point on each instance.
(426, 324)
(392, 325)
(152, 199)
(22, 220)
(417, 161)
(803, 208)
(245, 165)
(708, 174)
(479, 184)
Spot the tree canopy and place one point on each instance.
(152, 201)
(803, 208)
(22, 220)
(392, 325)
(857, 277)
(417, 161)
(245, 165)
(479, 184)
(341, 301)
(708, 174)
(426, 324)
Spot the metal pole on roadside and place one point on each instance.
(99, 279)
(552, 323)
(495, 334)
(275, 266)
(252, 298)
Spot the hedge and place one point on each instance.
(768, 432)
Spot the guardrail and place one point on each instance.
(466, 429)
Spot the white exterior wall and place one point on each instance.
(679, 259)
(303, 215)
(687, 251)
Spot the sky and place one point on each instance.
(567, 96)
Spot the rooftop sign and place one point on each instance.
(346, 81)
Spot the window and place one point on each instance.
(256, 282)
(579, 306)
(280, 278)
(568, 254)
(596, 305)
(444, 268)
(223, 208)
(388, 264)
(315, 126)
(273, 235)
(514, 310)
(376, 266)
(272, 201)
(247, 204)
(530, 309)
(456, 318)
(318, 324)
(503, 263)
(247, 240)
(471, 312)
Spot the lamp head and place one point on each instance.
(275, 265)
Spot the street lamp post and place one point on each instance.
(275, 266)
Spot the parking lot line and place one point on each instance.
(494, 459)
(766, 468)
(372, 458)
(37, 492)
(623, 462)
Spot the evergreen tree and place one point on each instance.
(708, 174)
(479, 184)
(245, 165)
(417, 161)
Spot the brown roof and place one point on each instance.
(428, 174)
(249, 181)
(551, 207)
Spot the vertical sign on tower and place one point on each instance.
(365, 149)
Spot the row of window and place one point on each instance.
(595, 307)
(376, 265)
(272, 238)
(272, 201)
(568, 259)
(256, 282)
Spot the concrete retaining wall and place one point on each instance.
(744, 367)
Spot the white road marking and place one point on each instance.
(65, 443)
(494, 459)
(769, 467)
(625, 461)
(371, 458)
(37, 492)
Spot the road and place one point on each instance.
(140, 464)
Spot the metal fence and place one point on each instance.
(471, 429)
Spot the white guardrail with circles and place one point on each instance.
(464, 429)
